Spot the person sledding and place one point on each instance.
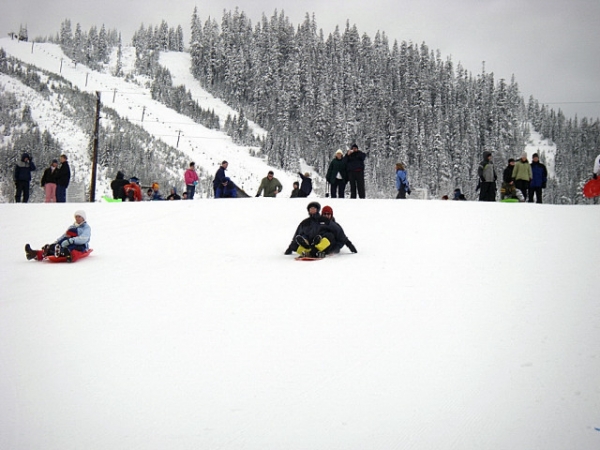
(340, 237)
(314, 236)
(70, 245)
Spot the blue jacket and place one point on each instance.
(83, 234)
(401, 180)
(539, 175)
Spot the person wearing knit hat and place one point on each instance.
(522, 175)
(72, 244)
(313, 235)
(337, 175)
(340, 237)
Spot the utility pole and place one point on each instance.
(95, 149)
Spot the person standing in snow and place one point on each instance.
(539, 177)
(49, 182)
(337, 175)
(508, 184)
(306, 186)
(355, 166)
(117, 186)
(522, 175)
(487, 179)
(156, 195)
(63, 177)
(596, 172)
(76, 238)
(402, 185)
(270, 186)
(22, 178)
(191, 180)
(220, 176)
(295, 190)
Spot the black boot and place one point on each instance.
(29, 253)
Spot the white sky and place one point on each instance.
(552, 48)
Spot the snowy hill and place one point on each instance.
(132, 100)
(458, 325)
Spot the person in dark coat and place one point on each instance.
(117, 186)
(355, 166)
(340, 237)
(48, 182)
(508, 189)
(306, 186)
(538, 180)
(337, 175)
(22, 177)
(63, 177)
(296, 190)
(173, 195)
(220, 176)
(313, 236)
(487, 179)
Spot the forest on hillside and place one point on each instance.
(400, 102)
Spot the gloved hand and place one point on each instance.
(288, 252)
(408, 191)
(351, 247)
(66, 243)
(594, 176)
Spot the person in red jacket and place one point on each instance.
(133, 191)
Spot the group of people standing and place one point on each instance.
(344, 169)
(55, 179)
(521, 180)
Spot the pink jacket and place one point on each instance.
(190, 176)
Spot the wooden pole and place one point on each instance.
(95, 149)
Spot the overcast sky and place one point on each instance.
(551, 46)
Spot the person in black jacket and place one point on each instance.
(220, 176)
(306, 185)
(508, 184)
(340, 237)
(22, 177)
(117, 186)
(313, 236)
(49, 182)
(337, 175)
(63, 177)
(355, 166)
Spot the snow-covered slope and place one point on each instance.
(133, 101)
(179, 64)
(458, 325)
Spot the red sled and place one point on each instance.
(307, 258)
(592, 188)
(75, 256)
